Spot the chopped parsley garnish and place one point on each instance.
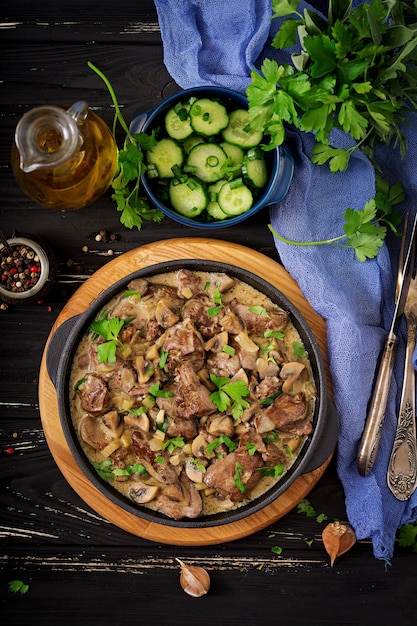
(274, 334)
(172, 444)
(251, 447)
(106, 472)
(238, 477)
(299, 350)
(155, 391)
(131, 292)
(258, 310)
(18, 586)
(223, 439)
(275, 471)
(163, 356)
(217, 299)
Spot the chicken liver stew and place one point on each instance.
(192, 393)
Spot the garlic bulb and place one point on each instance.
(194, 580)
(337, 539)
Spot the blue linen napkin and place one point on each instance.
(218, 43)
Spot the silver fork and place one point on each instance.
(402, 467)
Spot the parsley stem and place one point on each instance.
(305, 243)
(114, 99)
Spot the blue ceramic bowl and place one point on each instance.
(279, 161)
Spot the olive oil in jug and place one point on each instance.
(63, 158)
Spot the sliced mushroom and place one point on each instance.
(199, 446)
(217, 343)
(140, 285)
(193, 472)
(246, 343)
(231, 322)
(143, 368)
(221, 425)
(142, 493)
(112, 424)
(204, 376)
(289, 374)
(164, 315)
(142, 421)
(266, 368)
(240, 375)
(92, 433)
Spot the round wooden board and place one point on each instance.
(161, 251)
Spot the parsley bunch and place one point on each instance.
(133, 207)
(354, 72)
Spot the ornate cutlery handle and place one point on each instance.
(371, 435)
(402, 467)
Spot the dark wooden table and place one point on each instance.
(80, 568)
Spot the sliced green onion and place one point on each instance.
(234, 184)
(176, 170)
(212, 161)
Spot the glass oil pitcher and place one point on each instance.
(63, 158)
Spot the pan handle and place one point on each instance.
(328, 443)
(57, 345)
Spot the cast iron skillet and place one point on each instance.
(316, 448)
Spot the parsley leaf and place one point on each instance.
(407, 536)
(109, 330)
(229, 394)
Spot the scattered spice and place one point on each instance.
(20, 271)
(104, 237)
(338, 538)
(194, 580)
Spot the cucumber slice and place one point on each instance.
(213, 207)
(208, 159)
(165, 155)
(256, 171)
(214, 210)
(235, 154)
(208, 117)
(237, 131)
(235, 199)
(177, 122)
(192, 141)
(188, 198)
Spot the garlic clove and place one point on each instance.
(194, 580)
(338, 538)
